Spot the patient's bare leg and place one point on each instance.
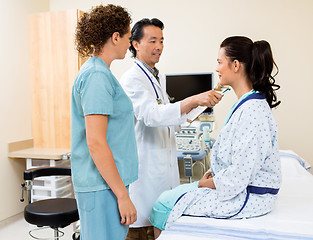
(157, 232)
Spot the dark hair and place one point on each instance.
(258, 60)
(96, 27)
(137, 31)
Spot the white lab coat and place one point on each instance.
(155, 127)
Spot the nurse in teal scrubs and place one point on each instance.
(103, 149)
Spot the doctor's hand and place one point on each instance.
(127, 210)
(209, 98)
(207, 181)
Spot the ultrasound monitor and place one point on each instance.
(181, 86)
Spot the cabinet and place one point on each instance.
(54, 64)
(44, 187)
(53, 186)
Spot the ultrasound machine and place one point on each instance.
(190, 145)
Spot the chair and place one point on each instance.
(55, 212)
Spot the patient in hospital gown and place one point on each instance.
(246, 153)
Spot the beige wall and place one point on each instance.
(15, 121)
(193, 32)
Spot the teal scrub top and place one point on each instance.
(96, 91)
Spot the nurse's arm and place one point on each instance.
(96, 129)
(209, 99)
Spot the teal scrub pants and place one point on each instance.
(165, 203)
(99, 216)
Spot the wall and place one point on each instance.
(15, 121)
(193, 33)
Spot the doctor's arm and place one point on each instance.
(209, 99)
(96, 129)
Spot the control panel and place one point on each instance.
(192, 148)
(187, 140)
(189, 149)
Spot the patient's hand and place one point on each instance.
(207, 181)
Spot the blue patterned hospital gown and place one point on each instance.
(246, 153)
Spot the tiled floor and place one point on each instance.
(16, 228)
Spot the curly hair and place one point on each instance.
(97, 26)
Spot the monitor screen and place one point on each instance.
(181, 86)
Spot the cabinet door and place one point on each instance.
(54, 64)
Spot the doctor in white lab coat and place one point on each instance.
(155, 122)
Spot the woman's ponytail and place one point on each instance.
(260, 71)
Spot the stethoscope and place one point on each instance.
(158, 99)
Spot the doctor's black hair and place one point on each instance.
(137, 31)
(258, 62)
